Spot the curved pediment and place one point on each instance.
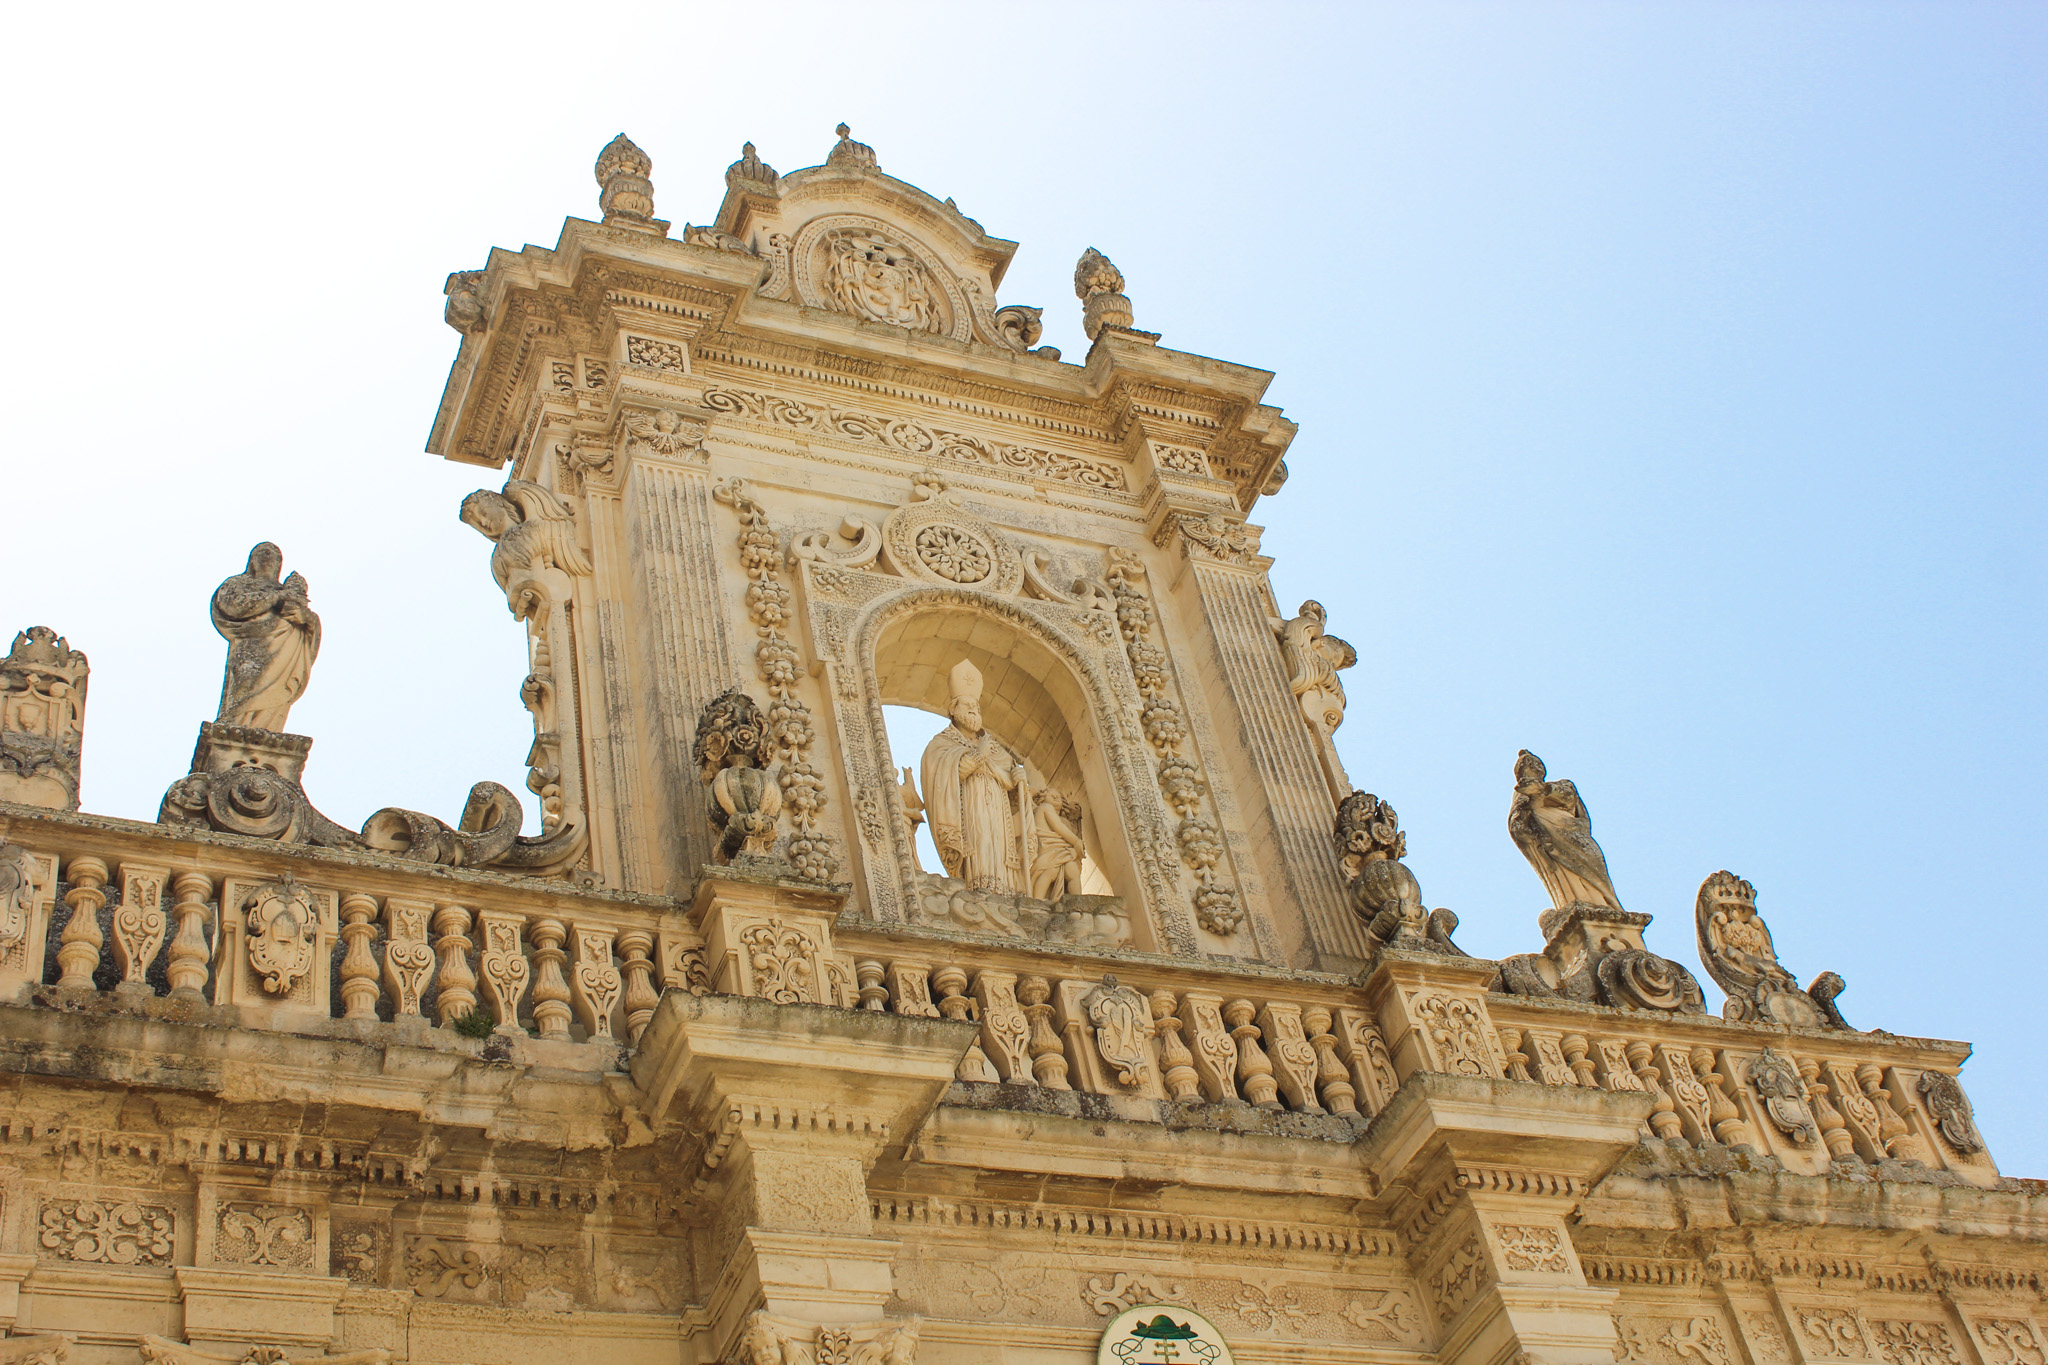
(846, 238)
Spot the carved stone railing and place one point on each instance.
(1807, 1097)
(324, 939)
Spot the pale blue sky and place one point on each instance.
(1670, 379)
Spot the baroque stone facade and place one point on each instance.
(1166, 1060)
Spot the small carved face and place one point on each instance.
(266, 561)
(488, 512)
(1529, 769)
(966, 714)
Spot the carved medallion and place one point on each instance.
(283, 927)
(941, 541)
(861, 266)
(1160, 1334)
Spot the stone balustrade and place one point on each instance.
(326, 936)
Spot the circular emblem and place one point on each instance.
(1160, 1334)
(851, 263)
(952, 553)
(942, 542)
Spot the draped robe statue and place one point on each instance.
(970, 783)
(1548, 822)
(273, 638)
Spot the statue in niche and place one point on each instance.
(1313, 659)
(971, 794)
(533, 530)
(273, 637)
(1549, 823)
(1056, 862)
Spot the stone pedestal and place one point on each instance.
(227, 1309)
(769, 935)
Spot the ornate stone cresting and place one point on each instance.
(813, 850)
(1384, 893)
(1593, 949)
(273, 638)
(42, 719)
(731, 752)
(627, 195)
(533, 533)
(1100, 287)
(1735, 944)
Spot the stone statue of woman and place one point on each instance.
(273, 638)
(1548, 822)
(970, 781)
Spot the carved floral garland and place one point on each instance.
(1217, 906)
(811, 848)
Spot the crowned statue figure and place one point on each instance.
(971, 787)
(1549, 823)
(273, 638)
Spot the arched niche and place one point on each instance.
(1047, 695)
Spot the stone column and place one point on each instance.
(1293, 795)
(677, 542)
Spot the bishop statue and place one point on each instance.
(972, 790)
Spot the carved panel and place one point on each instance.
(105, 1231)
(1531, 1248)
(264, 1235)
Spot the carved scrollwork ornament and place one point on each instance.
(487, 836)
(1383, 892)
(283, 928)
(1777, 1080)
(939, 540)
(1950, 1109)
(1636, 978)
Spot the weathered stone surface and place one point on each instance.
(715, 1069)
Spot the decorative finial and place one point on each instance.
(42, 725)
(850, 153)
(750, 172)
(1099, 285)
(627, 197)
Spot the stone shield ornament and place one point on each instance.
(283, 927)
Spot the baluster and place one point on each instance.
(358, 965)
(1518, 1060)
(139, 923)
(505, 972)
(187, 964)
(1663, 1113)
(1692, 1096)
(1340, 1096)
(1215, 1055)
(1048, 1058)
(1899, 1140)
(458, 982)
(641, 997)
(595, 981)
(550, 987)
(1294, 1061)
(873, 994)
(1730, 1128)
(1575, 1048)
(1834, 1129)
(1364, 1051)
(1254, 1071)
(953, 1002)
(1176, 1061)
(408, 956)
(78, 950)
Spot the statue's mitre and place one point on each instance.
(966, 681)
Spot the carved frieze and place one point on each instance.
(254, 1234)
(917, 440)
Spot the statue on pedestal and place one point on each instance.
(1549, 823)
(273, 637)
(970, 786)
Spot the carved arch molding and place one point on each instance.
(852, 613)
